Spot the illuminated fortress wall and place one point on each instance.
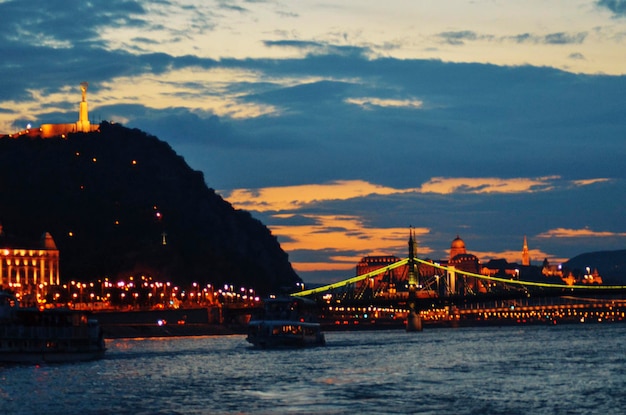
(54, 130)
(51, 130)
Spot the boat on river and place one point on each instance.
(286, 322)
(31, 335)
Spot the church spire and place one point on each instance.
(525, 253)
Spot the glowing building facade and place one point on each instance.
(30, 272)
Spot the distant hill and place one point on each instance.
(111, 198)
(611, 265)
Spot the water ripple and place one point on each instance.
(510, 370)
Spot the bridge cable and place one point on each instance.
(350, 280)
(402, 262)
(521, 282)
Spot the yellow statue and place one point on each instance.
(83, 89)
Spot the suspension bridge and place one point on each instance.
(414, 290)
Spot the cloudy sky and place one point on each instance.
(341, 124)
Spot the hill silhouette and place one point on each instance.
(110, 199)
(611, 265)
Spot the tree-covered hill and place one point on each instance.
(120, 202)
(611, 265)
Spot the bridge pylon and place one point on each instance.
(414, 320)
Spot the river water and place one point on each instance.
(568, 369)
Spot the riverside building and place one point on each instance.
(29, 271)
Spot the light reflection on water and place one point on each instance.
(575, 369)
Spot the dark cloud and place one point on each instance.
(227, 6)
(521, 38)
(562, 38)
(618, 7)
(178, 125)
(459, 37)
(22, 68)
(559, 38)
(64, 38)
(145, 40)
(488, 111)
(298, 44)
(292, 220)
(49, 21)
(305, 95)
(319, 48)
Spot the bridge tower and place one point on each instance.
(413, 273)
(414, 320)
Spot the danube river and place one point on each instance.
(569, 369)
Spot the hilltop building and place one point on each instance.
(83, 125)
(29, 271)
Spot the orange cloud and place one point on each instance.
(447, 185)
(326, 266)
(294, 197)
(587, 182)
(342, 233)
(578, 233)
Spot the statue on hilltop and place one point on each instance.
(83, 89)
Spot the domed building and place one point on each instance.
(461, 260)
(457, 247)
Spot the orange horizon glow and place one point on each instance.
(343, 233)
(349, 233)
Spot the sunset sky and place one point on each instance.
(341, 124)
